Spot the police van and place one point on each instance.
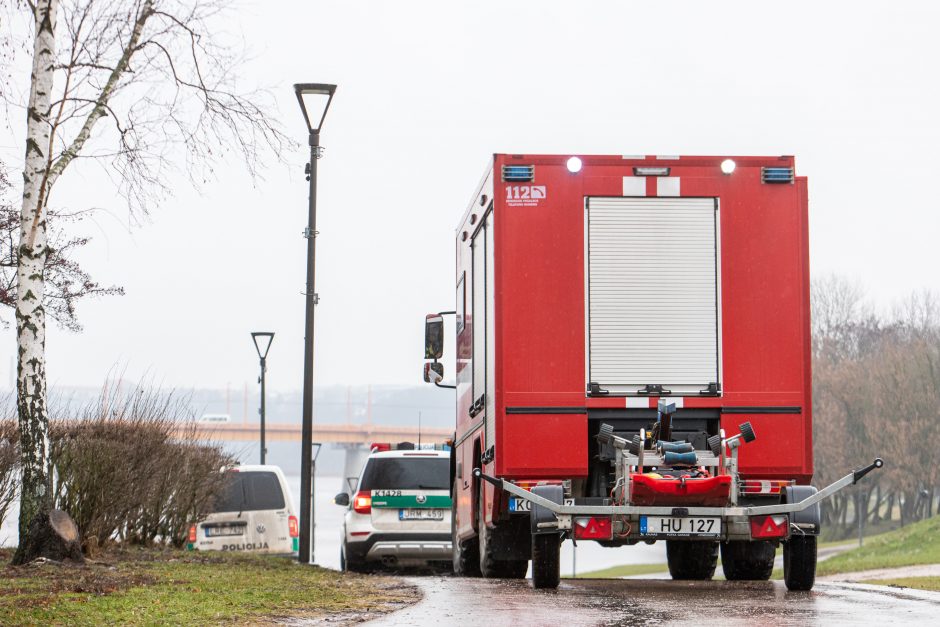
(254, 514)
(399, 515)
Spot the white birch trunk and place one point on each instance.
(36, 493)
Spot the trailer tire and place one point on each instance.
(490, 540)
(466, 554)
(546, 560)
(748, 561)
(692, 560)
(799, 562)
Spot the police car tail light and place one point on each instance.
(192, 533)
(774, 526)
(292, 527)
(593, 528)
(362, 503)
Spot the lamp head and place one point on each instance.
(314, 99)
(262, 340)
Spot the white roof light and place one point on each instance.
(574, 164)
(727, 166)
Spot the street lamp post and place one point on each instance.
(314, 99)
(266, 338)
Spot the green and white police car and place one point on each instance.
(399, 515)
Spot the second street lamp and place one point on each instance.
(262, 340)
(314, 99)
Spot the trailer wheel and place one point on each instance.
(799, 562)
(466, 555)
(743, 561)
(490, 539)
(691, 560)
(546, 560)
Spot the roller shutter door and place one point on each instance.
(652, 280)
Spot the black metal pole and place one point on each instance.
(305, 553)
(261, 411)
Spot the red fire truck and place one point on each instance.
(633, 365)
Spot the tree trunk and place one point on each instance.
(36, 487)
(54, 536)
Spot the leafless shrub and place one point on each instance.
(134, 467)
(9, 456)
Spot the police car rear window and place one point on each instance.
(251, 491)
(394, 473)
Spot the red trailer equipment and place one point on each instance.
(619, 321)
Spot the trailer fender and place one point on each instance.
(809, 520)
(539, 514)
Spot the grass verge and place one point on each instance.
(920, 583)
(915, 544)
(180, 588)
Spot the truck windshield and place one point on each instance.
(251, 491)
(398, 473)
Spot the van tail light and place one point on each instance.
(593, 528)
(773, 526)
(192, 533)
(362, 502)
(292, 527)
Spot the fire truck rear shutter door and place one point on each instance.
(653, 293)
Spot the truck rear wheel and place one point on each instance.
(466, 554)
(490, 539)
(742, 561)
(691, 560)
(546, 560)
(799, 562)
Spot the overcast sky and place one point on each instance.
(427, 91)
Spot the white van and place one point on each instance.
(254, 514)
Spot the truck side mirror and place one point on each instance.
(433, 372)
(341, 499)
(433, 336)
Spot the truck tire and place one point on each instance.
(546, 560)
(799, 562)
(692, 560)
(748, 561)
(466, 555)
(490, 539)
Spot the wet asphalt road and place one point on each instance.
(452, 601)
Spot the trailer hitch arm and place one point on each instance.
(861, 472)
(479, 475)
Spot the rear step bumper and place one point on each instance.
(565, 513)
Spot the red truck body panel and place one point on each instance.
(533, 421)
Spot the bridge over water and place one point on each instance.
(325, 432)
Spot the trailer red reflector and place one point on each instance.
(763, 486)
(593, 528)
(774, 526)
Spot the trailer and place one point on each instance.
(633, 365)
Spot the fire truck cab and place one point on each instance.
(633, 365)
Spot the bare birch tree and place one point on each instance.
(142, 87)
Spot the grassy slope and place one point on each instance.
(168, 587)
(912, 545)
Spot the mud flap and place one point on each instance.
(539, 514)
(809, 521)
